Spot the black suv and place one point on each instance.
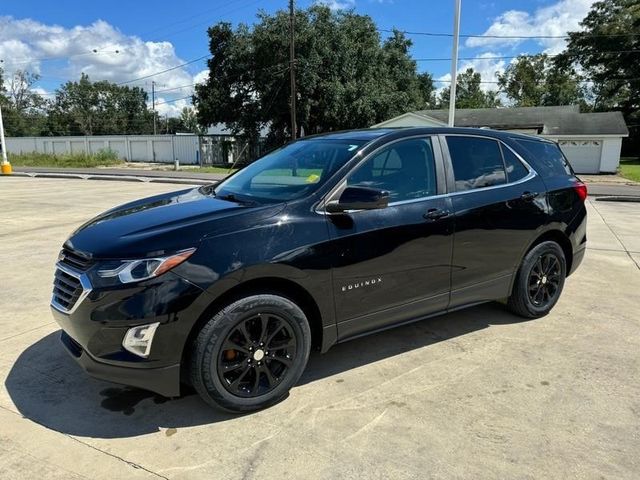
(228, 287)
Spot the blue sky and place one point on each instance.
(57, 39)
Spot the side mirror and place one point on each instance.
(359, 198)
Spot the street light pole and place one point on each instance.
(292, 69)
(454, 64)
(153, 102)
(4, 165)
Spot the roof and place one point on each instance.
(560, 120)
(364, 134)
(601, 123)
(371, 134)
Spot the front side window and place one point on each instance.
(293, 171)
(477, 162)
(406, 169)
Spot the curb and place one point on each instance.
(618, 198)
(114, 178)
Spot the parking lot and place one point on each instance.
(476, 394)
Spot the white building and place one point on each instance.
(591, 141)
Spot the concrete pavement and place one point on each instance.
(598, 185)
(474, 394)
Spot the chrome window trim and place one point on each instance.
(84, 283)
(532, 173)
(431, 136)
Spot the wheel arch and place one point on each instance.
(320, 337)
(561, 239)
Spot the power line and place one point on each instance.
(45, 59)
(512, 37)
(506, 57)
(173, 100)
(165, 70)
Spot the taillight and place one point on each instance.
(581, 190)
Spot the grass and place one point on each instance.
(223, 170)
(630, 168)
(104, 158)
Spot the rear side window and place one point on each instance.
(547, 158)
(515, 169)
(477, 162)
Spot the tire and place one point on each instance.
(539, 281)
(251, 353)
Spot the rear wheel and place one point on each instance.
(539, 281)
(251, 353)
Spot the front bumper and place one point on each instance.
(94, 329)
(164, 380)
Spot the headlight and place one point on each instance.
(128, 271)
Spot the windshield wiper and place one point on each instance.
(230, 197)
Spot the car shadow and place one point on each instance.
(48, 387)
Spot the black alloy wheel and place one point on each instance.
(251, 353)
(539, 281)
(544, 279)
(256, 355)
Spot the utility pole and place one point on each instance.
(5, 165)
(454, 64)
(153, 101)
(292, 69)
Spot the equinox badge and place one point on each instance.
(364, 283)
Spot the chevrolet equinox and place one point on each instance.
(227, 287)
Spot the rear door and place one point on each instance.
(499, 205)
(393, 264)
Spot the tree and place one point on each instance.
(468, 93)
(23, 109)
(607, 50)
(189, 121)
(533, 81)
(99, 108)
(346, 76)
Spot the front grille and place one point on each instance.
(75, 260)
(66, 289)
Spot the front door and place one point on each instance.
(394, 264)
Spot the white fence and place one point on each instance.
(132, 148)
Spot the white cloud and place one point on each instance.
(553, 20)
(99, 50)
(201, 77)
(172, 109)
(338, 4)
(486, 65)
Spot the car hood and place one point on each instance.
(163, 224)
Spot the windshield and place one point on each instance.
(293, 171)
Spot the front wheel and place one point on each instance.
(539, 281)
(251, 353)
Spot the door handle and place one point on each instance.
(528, 196)
(436, 214)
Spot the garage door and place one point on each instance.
(583, 155)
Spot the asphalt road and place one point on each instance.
(475, 394)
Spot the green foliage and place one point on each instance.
(630, 168)
(611, 25)
(80, 160)
(468, 93)
(99, 108)
(533, 81)
(346, 77)
(23, 110)
(189, 121)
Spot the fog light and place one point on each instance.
(138, 339)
